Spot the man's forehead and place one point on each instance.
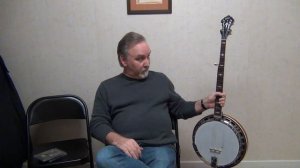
(142, 48)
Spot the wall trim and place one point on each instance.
(243, 164)
(249, 164)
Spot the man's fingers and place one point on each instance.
(132, 149)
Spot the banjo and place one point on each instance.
(218, 139)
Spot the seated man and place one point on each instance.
(132, 110)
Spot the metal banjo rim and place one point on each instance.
(236, 127)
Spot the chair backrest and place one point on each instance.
(56, 107)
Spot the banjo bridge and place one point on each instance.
(215, 150)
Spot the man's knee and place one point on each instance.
(105, 157)
(161, 157)
(168, 159)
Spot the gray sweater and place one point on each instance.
(138, 109)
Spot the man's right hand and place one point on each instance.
(128, 146)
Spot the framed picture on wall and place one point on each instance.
(149, 7)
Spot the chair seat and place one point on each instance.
(74, 149)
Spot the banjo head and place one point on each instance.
(223, 140)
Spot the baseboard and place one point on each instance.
(249, 164)
(79, 166)
(243, 164)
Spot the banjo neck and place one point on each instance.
(225, 31)
(220, 80)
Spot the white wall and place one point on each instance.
(69, 46)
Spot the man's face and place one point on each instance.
(136, 64)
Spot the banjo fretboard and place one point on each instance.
(220, 78)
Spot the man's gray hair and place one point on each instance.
(129, 40)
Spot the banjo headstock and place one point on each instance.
(227, 22)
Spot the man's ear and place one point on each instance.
(123, 60)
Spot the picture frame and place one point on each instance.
(149, 7)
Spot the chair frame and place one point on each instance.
(177, 145)
(47, 117)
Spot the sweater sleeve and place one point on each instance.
(178, 107)
(100, 124)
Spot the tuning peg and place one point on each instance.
(216, 64)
